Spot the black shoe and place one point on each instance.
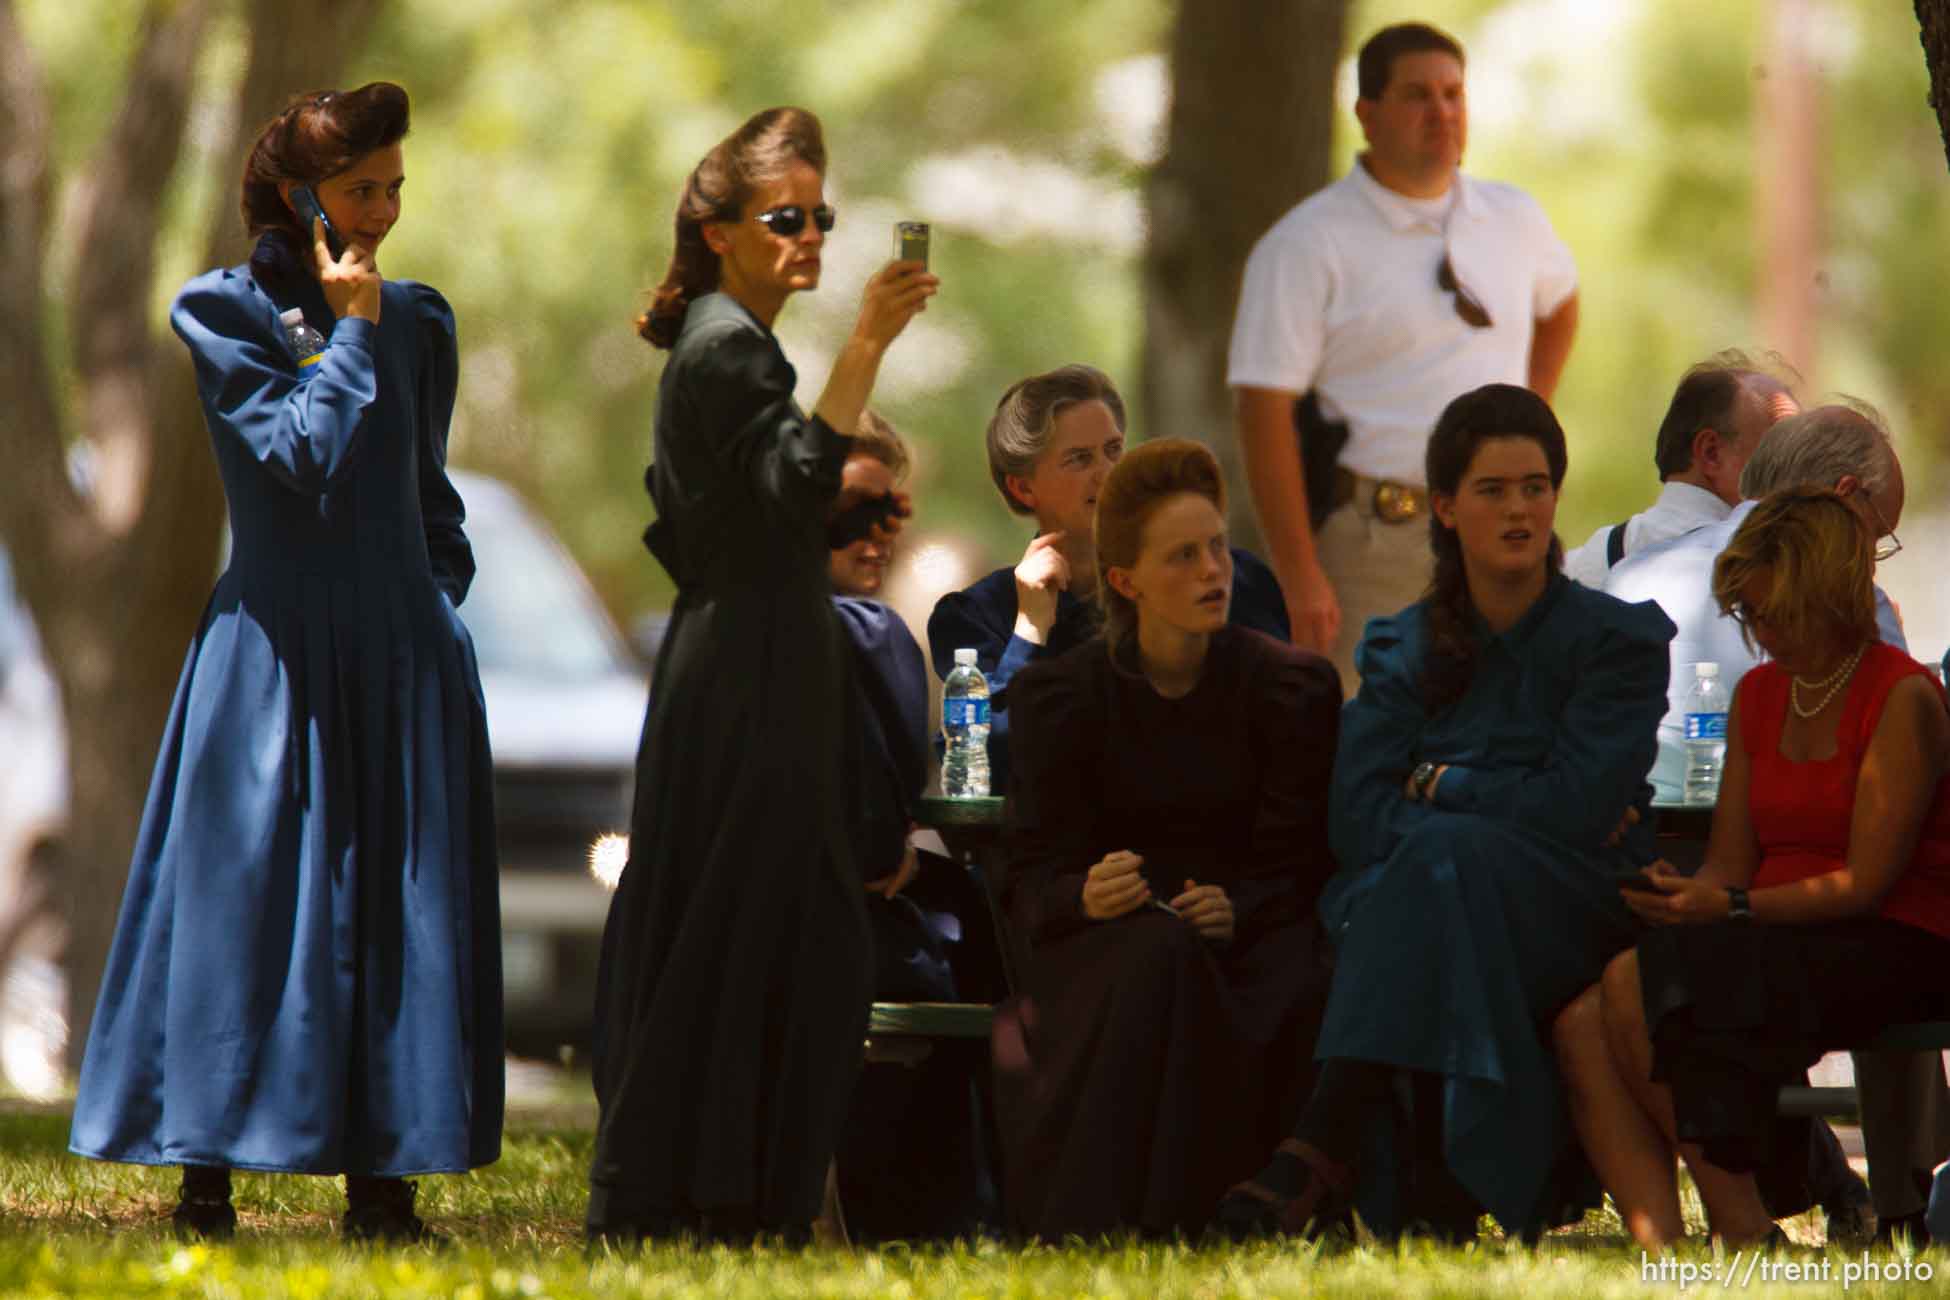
(381, 1210)
(204, 1218)
(1851, 1215)
(203, 1209)
(1264, 1205)
(1907, 1225)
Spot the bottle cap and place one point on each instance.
(1706, 669)
(291, 316)
(965, 655)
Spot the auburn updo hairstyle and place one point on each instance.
(761, 150)
(317, 136)
(1144, 478)
(1492, 411)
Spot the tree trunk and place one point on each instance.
(1934, 17)
(1788, 219)
(116, 578)
(1250, 132)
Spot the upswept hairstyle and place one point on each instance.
(317, 136)
(1820, 445)
(717, 190)
(876, 438)
(1143, 479)
(1492, 411)
(1376, 62)
(1018, 433)
(1822, 559)
(1708, 397)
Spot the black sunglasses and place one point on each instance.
(790, 220)
(1468, 306)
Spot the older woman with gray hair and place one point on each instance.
(1051, 444)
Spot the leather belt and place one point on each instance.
(1389, 501)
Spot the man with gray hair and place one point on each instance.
(1905, 1105)
(1717, 417)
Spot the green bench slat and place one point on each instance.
(930, 1020)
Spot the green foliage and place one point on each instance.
(550, 141)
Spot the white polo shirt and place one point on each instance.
(1340, 297)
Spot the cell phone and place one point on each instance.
(1639, 884)
(309, 209)
(911, 242)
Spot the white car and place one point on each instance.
(33, 811)
(565, 702)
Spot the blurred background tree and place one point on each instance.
(1082, 212)
(121, 139)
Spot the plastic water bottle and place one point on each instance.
(965, 725)
(307, 344)
(1706, 734)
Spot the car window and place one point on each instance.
(530, 610)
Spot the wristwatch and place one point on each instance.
(1421, 779)
(1738, 908)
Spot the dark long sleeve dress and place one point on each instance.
(1461, 927)
(736, 967)
(1143, 1070)
(306, 975)
(983, 617)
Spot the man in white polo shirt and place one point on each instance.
(1717, 417)
(1378, 300)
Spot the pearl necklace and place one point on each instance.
(1834, 682)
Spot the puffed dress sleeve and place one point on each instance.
(1058, 751)
(1605, 740)
(304, 429)
(441, 510)
(1294, 727)
(792, 460)
(1380, 740)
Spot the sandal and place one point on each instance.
(1252, 1209)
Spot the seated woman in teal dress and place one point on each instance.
(1482, 784)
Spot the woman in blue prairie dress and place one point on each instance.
(306, 973)
(1504, 725)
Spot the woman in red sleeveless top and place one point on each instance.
(1823, 911)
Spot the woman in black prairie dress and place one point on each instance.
(736, 971)
(1167, 840)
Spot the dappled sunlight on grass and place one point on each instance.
(73, 1227)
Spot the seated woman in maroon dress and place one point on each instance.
(1823, 911)
(1167, 840)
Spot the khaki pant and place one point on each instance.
(1377, 568)
(1905, 1124)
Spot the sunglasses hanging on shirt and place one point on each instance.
(1468, 305)
(791, 219)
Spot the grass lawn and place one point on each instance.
(71, 1227)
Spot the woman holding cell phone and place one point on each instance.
(736, 968)
(306, 976)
